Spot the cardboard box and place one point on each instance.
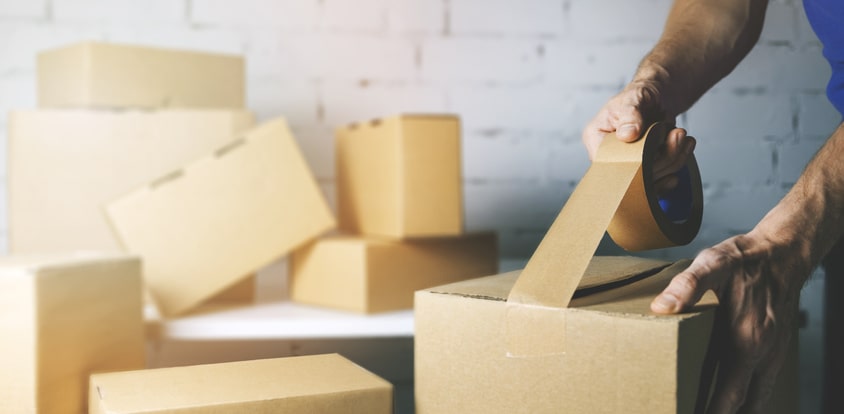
(61, 319)
(65, 164)
(103, 75)
(609, 355)
(309, 384)
(202, 228)
(242, 292)
(400, 177)
(376, 275)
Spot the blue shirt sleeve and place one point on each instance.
(827, 19)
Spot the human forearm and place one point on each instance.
(811, 216)
(702, 42)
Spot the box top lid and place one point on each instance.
(610, 284)
(232, 383)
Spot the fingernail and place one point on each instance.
(627, 131)
(664, 304)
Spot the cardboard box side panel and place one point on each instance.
(81, 159)
(431, 188)
(17, 349)
(397, 270)
(368, 174)
(693, 344)
(225, 216)
(241, 292)
(63, 75)
(330, 272)
(620, 364)
(90, 319)
(238, 385)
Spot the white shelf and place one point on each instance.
(279, 320)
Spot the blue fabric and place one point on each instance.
(827, 19)
(677, 203)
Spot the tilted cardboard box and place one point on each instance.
(323, 384)
(61, 319)
(400, 177)
(609, 355)
(64, 165)
(104, 75)
(376, 274)
(201, 228)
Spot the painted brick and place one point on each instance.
(518, 243)
(793, 157)
(26, 9)
(727, 116)
(345, 103)
(119, 10)
(480, 59)
(817, 116)
(523, 17)
(270, 97)
(503, 156)
(512, 205)
(780, 23)
(17, 91)
(414, 16)
(614, 20)
(285, 15)
(805, 33)
(743, 160)
(485, 108)
(736, 209)
(334, 56)
(780, 68)
(358, 15)
(569, 62)
(317, 145)
(23, 41)
(567, 160)
(202, 39)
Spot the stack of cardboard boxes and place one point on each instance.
(158, 142)
(400, 208)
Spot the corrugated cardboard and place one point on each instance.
(309, 384)
(94, 74)
(619, 357)
(65, 164)
(61, 319)
(376, 275)
(201, 228)
(400, 177)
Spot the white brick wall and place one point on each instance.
(524, 75)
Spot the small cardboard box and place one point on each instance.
(608, 353)
(308, 384)
(65, 164)
(400, 177)
(376, 275)
(103, 75)
(61, 319)
(202, 228)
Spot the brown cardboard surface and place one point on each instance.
(375, 274)
(62, 318)
(65, 164)
(309, 384)
(242, 292)
(619, 357)
(95, 74)
(202, 228)
(400, 177)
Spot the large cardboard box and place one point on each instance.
(104, 75)
(61, 319)
(320, 384)
(367, 274)
(64, 165)
(201, 228)
(605, 353)
(400, 177)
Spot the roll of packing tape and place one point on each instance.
(616, 195)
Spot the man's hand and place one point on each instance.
(628, 114)
(757, 281)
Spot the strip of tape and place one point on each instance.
(616, 195)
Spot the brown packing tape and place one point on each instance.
(617, 195)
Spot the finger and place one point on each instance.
(765, 378)
(593, 134)
(666, 184)
(709, 269)
(675, 152)
(734, 378)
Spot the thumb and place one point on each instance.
(688, 286)
(629, 125)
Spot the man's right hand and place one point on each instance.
(628, 114)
